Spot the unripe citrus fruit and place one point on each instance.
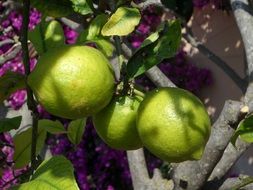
(72, 81)
(173, 124)
(116, 123)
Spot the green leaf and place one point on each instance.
(47, 36)
(53, 8)
(36, 36)
(82, 6)
(23, 142)
(54, 35)
(9, 83)
(154, 49)
(153, 37)
(244, 130)
(76, 130)
(83, 36)
(149, 40)
(93, 35)
(122, 22)
(57, 173)
(96, 26)
(105, 46)
(94, 30)
(54, 127)
(8, 124)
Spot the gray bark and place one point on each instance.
(243, 16)
(192, 175)
(229, 158)
(159, 78)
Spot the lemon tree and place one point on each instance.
(77, 81)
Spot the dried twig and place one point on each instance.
(5, 42)
(11, 53)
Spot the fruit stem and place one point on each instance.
(120, 56)
(26, 61)
(117, 39)
(119, 51)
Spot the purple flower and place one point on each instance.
(70, 35)
(151, 18)
(17, 99)
(143, 28)
(16, 19)
(136, 40)
(7, 177)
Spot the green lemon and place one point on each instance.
(72, 81)
(116, 123)
(173, 124)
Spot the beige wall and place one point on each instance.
(218, 31)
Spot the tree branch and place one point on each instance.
(232, 183)
(159, 78)
(150, 2)
(229, 158)
(138, 169)
(243, 16)
(220, 136)
(118, 67)
(154, 74)
(6, 41)
(10, 54)
(73, 25)
(26, 61)
(139, 173)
